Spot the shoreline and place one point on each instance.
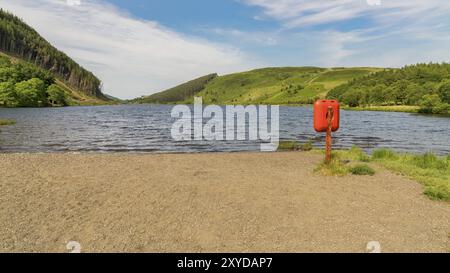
(214, 202)
(315, 149)
(397, 109)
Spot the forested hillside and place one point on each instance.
(24, 84)
(179, 93)
(424, 85)
(20, 40)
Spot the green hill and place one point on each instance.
(423, 85)
(286, 85)
(179, 93)
(26, 56)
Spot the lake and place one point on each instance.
(146, 128)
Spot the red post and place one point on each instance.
(326, 119)
(330, 116)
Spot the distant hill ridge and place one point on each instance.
(277, 85)
(179, 93)
(422, 87)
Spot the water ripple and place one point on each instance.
(146, 128)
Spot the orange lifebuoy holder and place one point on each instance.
(326, 119)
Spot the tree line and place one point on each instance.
(425, 85)
(25, 85)
(179, 93)
(19, 39)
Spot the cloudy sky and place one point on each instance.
(139, 47)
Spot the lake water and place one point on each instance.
(146, 128)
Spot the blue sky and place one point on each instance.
(188, 15)
(139, 47)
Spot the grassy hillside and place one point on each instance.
(22, 41)
(423, 87)
(178, 93)
(287, 85)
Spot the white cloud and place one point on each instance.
(332, 50)
(387, 33)
(299, 13)
(73, 2)
(131, 56)
(135, 57)
(244, 37)
(373, 2)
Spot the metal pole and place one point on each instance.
(330, 114)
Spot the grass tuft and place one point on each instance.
(362, 169)
(438, 191)
(306, 146)
(428, 169)
(295, 146)
(4, 122)
(358, 154)
(335, 168)
(429, 161)
(288, 146)
(384, 154)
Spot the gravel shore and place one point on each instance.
(224, 202)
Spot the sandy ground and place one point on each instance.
(242, 202)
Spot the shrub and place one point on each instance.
(444, 91)
(31, 93)
(353, 98)
(436, 104)
(362, 169)
(8, 94)
(441, 108)
(55, 95)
